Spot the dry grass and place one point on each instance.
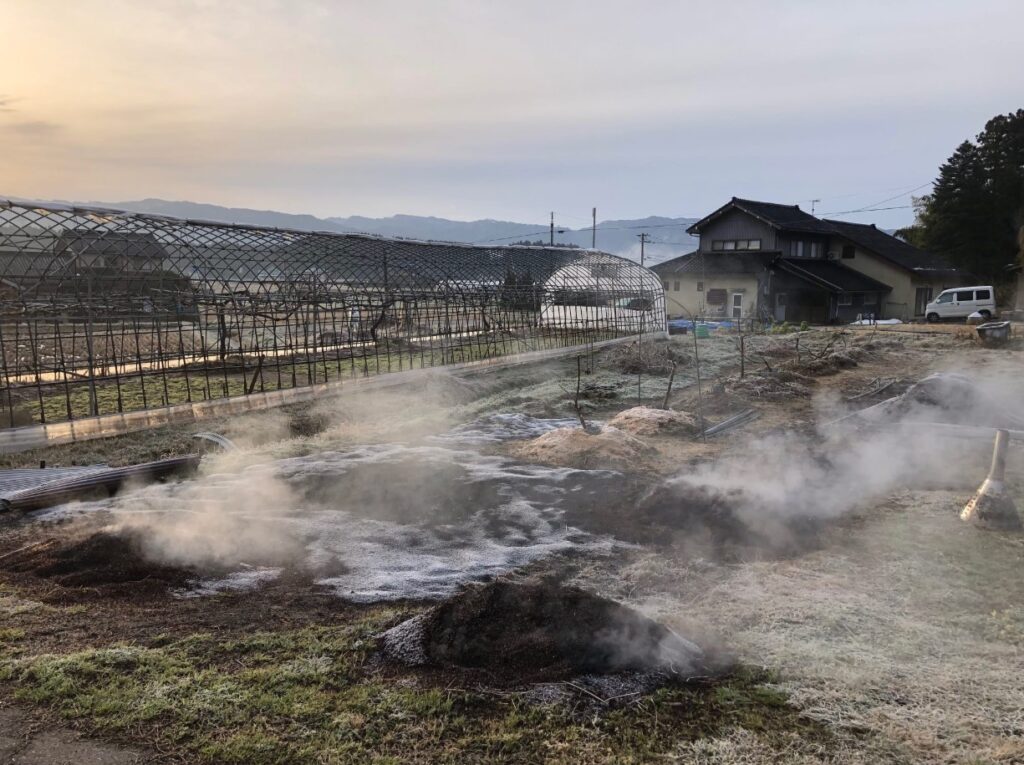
(903, 634)
(574, 447)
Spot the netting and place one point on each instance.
(107, 312)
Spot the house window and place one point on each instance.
(700, 286)
(716, 297)
(848, 251)
(845, 298)
(675, 286)
(735, 244)
(798, 249)
(815, 249)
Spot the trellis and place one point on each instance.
(107, 312)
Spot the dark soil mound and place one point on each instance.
(720, 526)
(101, 560)
(724, 525)
(535, 632)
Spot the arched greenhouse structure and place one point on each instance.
(106, 312)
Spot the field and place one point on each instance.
(880, 628)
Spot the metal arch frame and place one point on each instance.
(108, 312)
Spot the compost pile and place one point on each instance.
(775, 384)
(648, 421)
(574, 447)
(652, 358)
(101, 561)
(527, 633)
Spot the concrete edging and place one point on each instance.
(51, 434)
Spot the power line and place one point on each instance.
(598, 228)
(856, 194)
(874, 206)
(869, 209)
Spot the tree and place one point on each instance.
(975, 212)
(914, 234)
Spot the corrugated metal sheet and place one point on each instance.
(16, 482)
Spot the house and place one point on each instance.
(778, 263)
(914, 275)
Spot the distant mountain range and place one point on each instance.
(668, 236)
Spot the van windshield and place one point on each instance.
(945, 297)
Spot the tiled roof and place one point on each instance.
(716, 263)
(783, 217)
(889, 247)
(832, 275)
(827, 274)
(791, 219)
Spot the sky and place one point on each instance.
(472, 109)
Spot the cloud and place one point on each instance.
(31, 128)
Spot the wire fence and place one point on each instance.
(107, 312)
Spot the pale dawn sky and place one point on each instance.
(498, 109)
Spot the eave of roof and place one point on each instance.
(831, 275)
(697, 262)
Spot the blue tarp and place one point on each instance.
(711, 325)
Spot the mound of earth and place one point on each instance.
(575, 447)
(101, 560)
(723, 525)
(526, 633)
(648, 421)
(654, 358)
(829, 364)
(776, 384)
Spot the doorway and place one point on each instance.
(737, 305)
(780, 306)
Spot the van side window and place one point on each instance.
(965, 295)
(983, 295)
(945, 297)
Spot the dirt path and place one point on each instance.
(26, 742)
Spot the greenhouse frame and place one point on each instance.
(106, 312)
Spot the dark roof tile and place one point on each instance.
(889, 247)
(716, 263)
(783, 217)
(831, 275)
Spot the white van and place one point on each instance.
(961, 302)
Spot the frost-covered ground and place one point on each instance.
(374, 523)
(907, 625)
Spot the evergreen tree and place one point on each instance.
(975, 212)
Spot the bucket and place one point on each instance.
(702, 331)
(994, 332)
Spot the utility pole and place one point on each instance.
(593, 231)
(644, 238)
(813, 203)
(552, 229)
(640, 337)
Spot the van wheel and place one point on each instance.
(986, 315)
(932, 318)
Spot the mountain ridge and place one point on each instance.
(619, 236)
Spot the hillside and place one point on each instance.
(620, 237)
